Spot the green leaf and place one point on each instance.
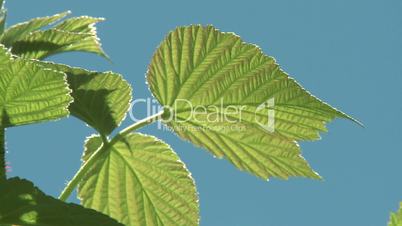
(396, 218)
(82, 24)
(140, 181)
(24, 204)
(73, 34)
(101, 99)
(247, 109)
(30, 93)
(42, 44)
(19, 31)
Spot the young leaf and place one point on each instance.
(198, 69)
(73, 34)
(396, 218)
(42, 44)
(140, 181)
(19, 31)
(101, 99)
(30, 93)
(24, 204)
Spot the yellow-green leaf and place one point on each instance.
(20, 30)
(30, 93)
(140, 181)
(41, 44)
(227, 96)
(73, 34)
(82, 24)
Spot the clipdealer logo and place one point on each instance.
(213, 117)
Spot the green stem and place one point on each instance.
(3, 175)
(103, 149)
(3, 15)
(135, 126)
(80, 173)
(104, 139)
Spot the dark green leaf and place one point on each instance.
(101, 99)
(21, 203)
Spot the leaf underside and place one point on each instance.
(211, 69)
(140, 181)
(30, 93)
(24, 204)
(396, 218)
(101, 99)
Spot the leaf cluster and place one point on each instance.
(134, 178)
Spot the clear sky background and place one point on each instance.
(347, 52)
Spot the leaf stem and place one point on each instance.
(3, 15)
(80, 173)
(3, 174)
(103, 149)
(104, 139)
(135, 126)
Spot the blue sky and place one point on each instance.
(348, 53)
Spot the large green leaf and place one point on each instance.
(21, 203)
(19, 31)
(101, 99)
(220, 75)
(140, 181)
(30, 93)
(396, 218)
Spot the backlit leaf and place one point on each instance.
(247, 109)
(140, 181)
(30, 93)
(41, 44)
(82, 24)
(73, 34)
(20, 30)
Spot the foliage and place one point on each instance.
(74, 34)
(134, 178)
